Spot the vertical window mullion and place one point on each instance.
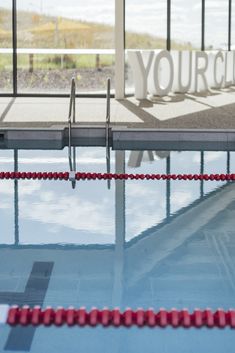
(14, 46)
(203, 26)
(229, 23)
(119, 49)
(168, 40)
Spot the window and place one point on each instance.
(146, 28)
(216, 24)
(58, 40)
(233, 26)
(5, 47)
(185, 24)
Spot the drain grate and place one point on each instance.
(2, 136)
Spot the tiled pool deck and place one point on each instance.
(182, 117)
(212, 110)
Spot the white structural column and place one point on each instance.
(119, 49)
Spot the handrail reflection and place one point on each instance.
(16, 199)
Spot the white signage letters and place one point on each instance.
(138, 61)
(201, 66)
(159, 72)
(218, 82)
(234, 67)
(159, 88)
(182, 71)
(228, 70)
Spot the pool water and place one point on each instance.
(138, 244)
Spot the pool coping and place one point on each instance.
(120, 138)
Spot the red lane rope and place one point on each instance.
(81, 317)
(109, 176)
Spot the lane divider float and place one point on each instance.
(37, 316)
(109, 176)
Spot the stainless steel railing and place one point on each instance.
(72, 119)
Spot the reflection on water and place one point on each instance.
(141, 243)
(91, 214)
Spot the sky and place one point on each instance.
(147, 16)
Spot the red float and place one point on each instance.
(105, 176)
(81, 317)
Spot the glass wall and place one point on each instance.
(145, 24)
(145, 28)
(186, 24)
(58, 40)
(5, 47)
(216, 24)
(233, 26)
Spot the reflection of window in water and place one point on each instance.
(137, 157)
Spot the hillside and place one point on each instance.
(42, 31)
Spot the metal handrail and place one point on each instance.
(107, 125)
(71, 115)
(72, 100)
(72, 118)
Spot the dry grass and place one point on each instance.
(37, 31)
(42, 31)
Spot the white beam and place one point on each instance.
(119, 50)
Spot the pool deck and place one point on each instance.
(183, 115)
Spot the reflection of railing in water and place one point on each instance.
(107, 129)
(16, 196)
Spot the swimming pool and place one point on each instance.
(139, 244)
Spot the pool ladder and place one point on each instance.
(72, 119)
